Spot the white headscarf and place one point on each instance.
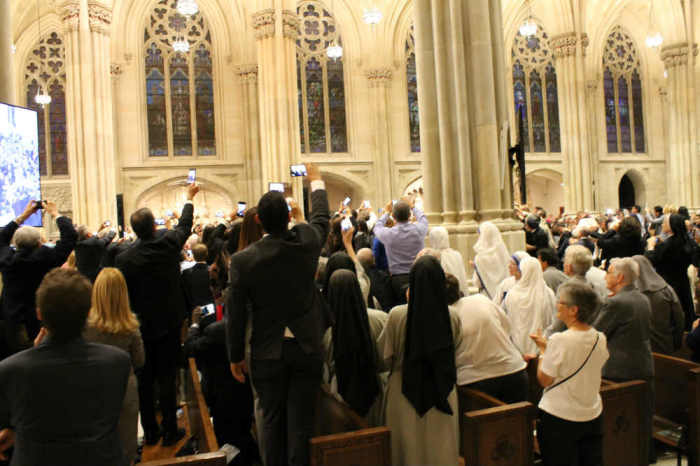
(491, 261)
(530, 304)
(508, 282)
(450, 259)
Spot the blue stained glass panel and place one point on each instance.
(155, 103)
(180, 104)
(336, 106)
(300, 99)
(610, 114)
(638, 113)
(204, 102)
(520, 97)
(413, 114)
(57, 129)
(537, 113)
(315, 106)
(553, 110)
(623, 107)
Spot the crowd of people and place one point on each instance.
(374, 306)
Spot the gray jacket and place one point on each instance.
(625, 319)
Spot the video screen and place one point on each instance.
(19, 163)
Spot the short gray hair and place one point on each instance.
(627, 267)
(580, 259)
(83, 232)
(581, 295)
(366, 258)
(26, 237)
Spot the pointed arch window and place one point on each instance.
(622, 86)
(320, 82)
(412, 87)
(535, 93)
(45, 68)
(179, 85)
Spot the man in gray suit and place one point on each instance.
(625, 319)
(60, 401)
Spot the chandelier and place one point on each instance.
(529, 27)
(372, 16)
(40, 98)
(187, 7)
(653, 40)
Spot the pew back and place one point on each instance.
(624, 405)
(203, 459)
(200, 420)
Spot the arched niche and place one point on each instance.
(415, 185)
(632, 189)
(171, 195)
(545, 189)
(339, 187)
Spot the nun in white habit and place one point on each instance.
(513, 268)
(491, 261)
(451, 260)
(530, 305)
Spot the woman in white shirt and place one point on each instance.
(487, 360)
(530, 305)
(570, 366)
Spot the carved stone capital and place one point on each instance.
(247, 73)
(290, 24)
(100, 18)
(564, 45)
(379, 77)
(677, 54)
(69, 12)
(264, 23)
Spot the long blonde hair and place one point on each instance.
(110, 310)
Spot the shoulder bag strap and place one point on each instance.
(577, 370)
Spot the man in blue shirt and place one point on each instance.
(402, 242)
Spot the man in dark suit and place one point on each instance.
(275, 276)
(60, 401)
(23, 269)
(151, 267)
(195, 280)
(90, 249)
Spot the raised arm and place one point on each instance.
(184, 224)
(68, 238)
(421, 220)
(320, 212)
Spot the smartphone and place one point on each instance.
(192, 176)
(208, 309)
(160, 221)
(168, 213)
(346, 201)
(366, 205)
(279, 187)
(346, 224)
(298, 170)
(241, 209)
(39, 204)
(107, 223)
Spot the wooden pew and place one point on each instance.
(495, 433)
(624, 404)
(343, 438)
(199, 427)
(677, 399)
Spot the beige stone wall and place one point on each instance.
(379, 164)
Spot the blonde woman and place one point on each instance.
(111, 322)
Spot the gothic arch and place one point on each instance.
(639, 182)
(175, 187)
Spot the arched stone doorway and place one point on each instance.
(545, 189)
(631, 190)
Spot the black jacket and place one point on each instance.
(64, 401)
(195, 282)
(276, 276)
(23, 271)
(151, 268)
(89, 253)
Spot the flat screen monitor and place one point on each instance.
(19, 163)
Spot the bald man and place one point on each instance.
(380, 292)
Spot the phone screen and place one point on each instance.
(107, 223)
(346, 201)
(298, 170)
(192, 176)
(160, 221)
(346, 224)
(366, 205)
(208, 309)
(241, 209)
(279, 187)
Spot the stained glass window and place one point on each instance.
(535, 92)
(622, 84)
(412, 82)
(179, 85)
(45, 69)
(320, 82)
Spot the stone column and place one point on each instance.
(682, 167)
(248, 76)
(276, 30)
(89, 110)
(592, 107)
(463, 113)
(569, 51)
(7, 69)
(379, 81)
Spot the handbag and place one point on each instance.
(597, 337)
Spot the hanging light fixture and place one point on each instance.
(654, 39)
(187, 7)
(529, 27)
(334, 51)
(40, 98)
(372, 15)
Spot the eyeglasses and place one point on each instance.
(564, 303)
